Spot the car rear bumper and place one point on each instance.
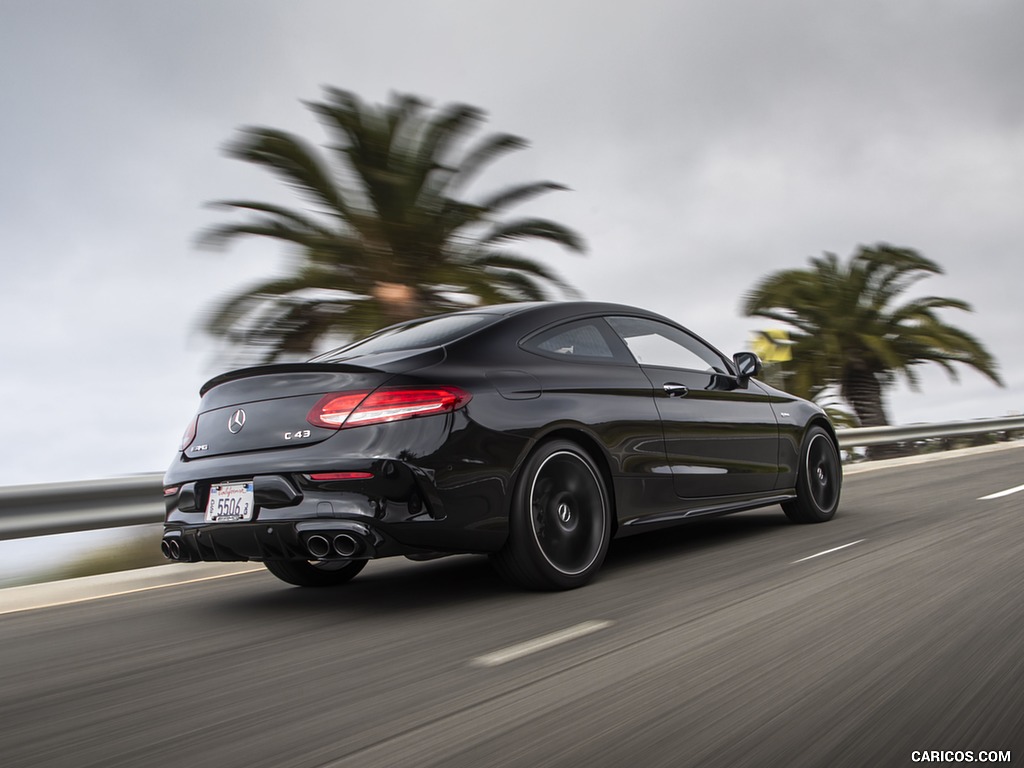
(297, 540)
(400, 510)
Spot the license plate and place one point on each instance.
(230, 503)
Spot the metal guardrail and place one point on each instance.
(84, 505)
(863, 437)
(37, 510)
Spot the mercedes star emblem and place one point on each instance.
(564, 513)
(236, 422)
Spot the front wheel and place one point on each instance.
(559, 521)
(316, 573)
(819, 481)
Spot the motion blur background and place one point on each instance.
(706, 144)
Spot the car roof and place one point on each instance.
(528, 316)
(557, 309)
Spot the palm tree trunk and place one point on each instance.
(863, 391)
(400, 301)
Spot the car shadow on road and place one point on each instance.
(397, 585)
(693, 536)
(394, 585)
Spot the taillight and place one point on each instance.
(332, 410)
(190, 433)
(356, 409)
(393, 405)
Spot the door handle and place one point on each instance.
(676, 390)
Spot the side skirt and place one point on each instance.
(711, 509)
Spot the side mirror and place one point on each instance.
(748, 365)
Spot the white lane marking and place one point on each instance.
(539, 643)
(1000, 494)
(827, 551)
(73, 600)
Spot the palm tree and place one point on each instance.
(385, 236)
(773, 347)
(851, 333)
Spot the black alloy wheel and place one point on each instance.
(819, 482)
(560, 520)
(315, 573)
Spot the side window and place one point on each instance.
(580, 340)
(655, 343)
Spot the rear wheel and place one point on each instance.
(316, 573)
(819, 482)
(560, 520)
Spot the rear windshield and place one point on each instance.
(427, 333)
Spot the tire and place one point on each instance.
(316, 573)
(559, 520)
(819, 481)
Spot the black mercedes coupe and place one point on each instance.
(534, 433)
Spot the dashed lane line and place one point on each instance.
(544, 642)
(1000, 494)
(827, 551)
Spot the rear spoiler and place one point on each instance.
(260, 370)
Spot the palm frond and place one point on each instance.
(541, 229)
(489, 150)
(498, 201)
(293, 160)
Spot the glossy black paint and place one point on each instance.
(670, 443)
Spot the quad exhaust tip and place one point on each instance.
(171, 549)
(318, 546)
(341, 545)
(346, 545)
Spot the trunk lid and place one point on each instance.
(266, 407)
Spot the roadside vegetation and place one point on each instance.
(386, 233)
(852, 332)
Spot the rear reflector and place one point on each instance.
(323, 477)
(170, 491)
(342, 410)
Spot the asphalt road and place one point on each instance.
(741, 641)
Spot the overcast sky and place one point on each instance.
(706, 144)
